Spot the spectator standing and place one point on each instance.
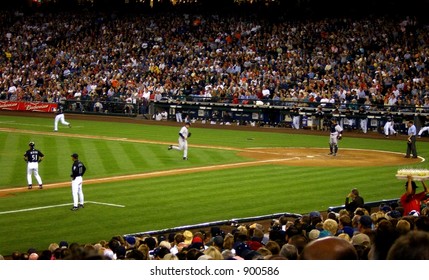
(78, 170)
(59, 117)
(33, 156)
(184, 134)
(354, 201)
(411, 140)
(410, 200)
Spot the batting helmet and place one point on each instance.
(31, 144)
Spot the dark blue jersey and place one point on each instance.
(78, 169)
(33, 155)
(60, 110)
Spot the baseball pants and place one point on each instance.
(77, 192)
(33, 168)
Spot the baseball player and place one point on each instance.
(423, 129)
(363, 119)
(78, 170)
(59, 117)
(184, 134)
(388, 128)
(33, 157)
(296, 118)
(335, 134)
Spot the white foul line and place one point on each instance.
(58, 205)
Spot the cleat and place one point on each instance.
(74, 209)
(185, 158)
(334, 154)
(330, 154)
(30, 187)
(40, 186)
(69, 125)
(407, 157)
(414, 156)
(170, 147)
(80, 206)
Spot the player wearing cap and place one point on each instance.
(410, 200)
(388, 128)
(184, 134)
(33, 156)
(59, 117)
(78, 170)
(335, 134)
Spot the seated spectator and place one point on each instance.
(411, 246)
(329, 248)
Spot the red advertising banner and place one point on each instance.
(27, 106)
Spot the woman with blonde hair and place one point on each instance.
(214, 253)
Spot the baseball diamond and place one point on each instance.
(284, 156)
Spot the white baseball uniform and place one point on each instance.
(183, 141)
(60, 118)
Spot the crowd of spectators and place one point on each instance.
(385, 233)
(132, 58)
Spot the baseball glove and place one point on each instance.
(339, 137)
(189, 134)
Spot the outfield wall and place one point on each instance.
(313, 115)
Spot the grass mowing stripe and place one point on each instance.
(133, 155)
(105, 158)
(14, 166)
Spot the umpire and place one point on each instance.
(411, 140)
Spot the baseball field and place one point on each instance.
(135, 184)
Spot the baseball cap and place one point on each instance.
(361, 239)
(64, 244)
(365, 221)
(31, 143)
(314, 214)
(75, 155)
(131, 240)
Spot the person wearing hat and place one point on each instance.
(410, 200)
(184, 134)
(335, 134)
(78, 170)
(388, 128)
(59, 117)
(33, 156)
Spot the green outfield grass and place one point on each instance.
(37, 218)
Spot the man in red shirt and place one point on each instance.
(410, 200)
